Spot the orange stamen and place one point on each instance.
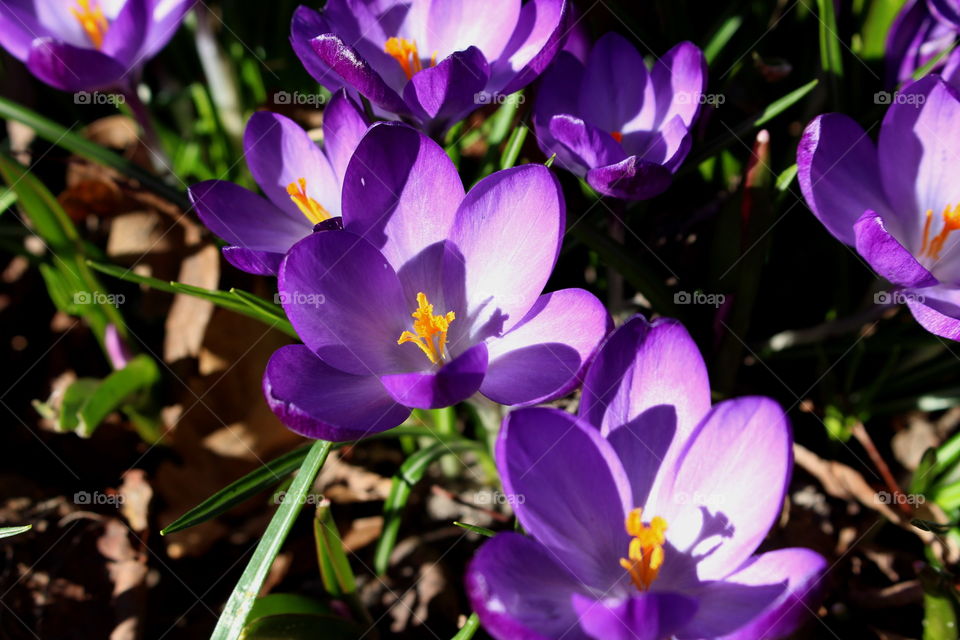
(932, 247)
(92, 20)
(429, 331)
(405, 52)
(308, 206)
(646, 549)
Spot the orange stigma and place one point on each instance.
(932, 247)
(616, 135)
(430, 330)
(311, 208)
(92, 20)
(405, 52)
(646, 549)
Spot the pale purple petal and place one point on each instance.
(590, 146)
(726, 607)
(677, 80)
(448, 90)
(165, 20)
(643, 445)
(304, 27)
(356, 72)
(344, 125)
(937, 309)
(569, 491)
(644, 616)
(346, 303)
(838, 174)
(19, 27)
(453, 25)
(521, 591)
(318, 401)
(72, 68)
(538, 37)
(612, 93)
(125, 36)
(545, 355)
(887, 256)
(454, 382)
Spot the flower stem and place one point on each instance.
(158, 156)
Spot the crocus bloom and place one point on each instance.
(622, 127)
(118, 351)
(644, 512)
(88, 44)
(429, 61)
(427, 295)
(896, 202)
(923, 30)
(301, 182)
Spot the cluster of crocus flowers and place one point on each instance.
(921, 34)
(623, 128)
(645, 511)
(427, 295)
(301, 181)
(895, 201)
(426, 61)
(88, 44)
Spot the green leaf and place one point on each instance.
(512, 151)
(75, 143)
(876, 27)
(240, 490)
(6, 532)
(234, 300)
(483, 531)
(238, 606)
(924, 475)
(785, 179)
(410, 473)
(831, 56)
(7, 199)
(469, 628)
(301, 626)
(75, 396)
(116, 390)
(722, 36)
(275, 604)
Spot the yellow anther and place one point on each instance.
(646, 549)
(405, 52)
(311, 208)
(92, 20)
(932, 247)
(429, 331)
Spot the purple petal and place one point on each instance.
(630, 179)
(19, 27)
(802, 570)
(356, 72)
(400, 192)
(838, 174)
(591, 147)
(261, 263)
(545, 355)
(124, 38)
(677, 80)
(72, 68)
(914, 39)
(612, 93)
(318, 401)
(117, 348)
(937, 309)
(539, 35)
(948, 10)
(643, 445)
(643, 365)
(448, 91)
(728, 484)
(244, 219)
(279, 153)
(165, 20)
(645, 616)
(557, 94)
(887, 256)
(727, 607)
(304, 27)
(344, 125)
(454, 382)
(508, 231)
(918, 161)
(569, 491)
(346, 303)
(454, 25)
(521, 591)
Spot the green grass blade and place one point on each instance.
(483, 531)
(512, 151)
(6, 532)
(240, 490)
(722, 36)
(469, 628)
(234, 615)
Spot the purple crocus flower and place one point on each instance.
(88, 44)
(429, 61)
(896, 202)
(301, 182)
(923, 30)
(427, 295)
(622, 127)
(644, 512)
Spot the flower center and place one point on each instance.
(932, 247)
(429, 331)
(646, 549)
(405, 52)
(311, 208)
(616, 135)
(92, 20)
